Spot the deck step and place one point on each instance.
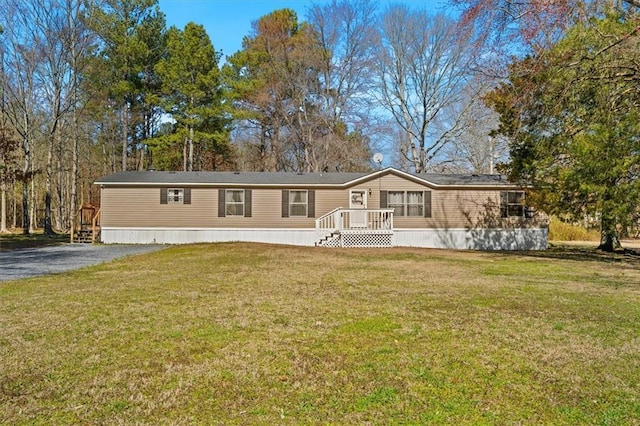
(330, 240)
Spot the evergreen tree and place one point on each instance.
(132, 43)
(573, 116)
(192, 95)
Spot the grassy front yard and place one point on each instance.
(257, 334)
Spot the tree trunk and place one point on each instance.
(48, 229)
(125, 135)
(609, 239)
(33, 218)
(25, 186)
(184, 154)
(14, 221)
(25, 207)
(3, 208)
(191, 134)
(61, 188)
(74, 167)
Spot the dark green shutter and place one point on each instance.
(163, 195)
(311, 203)
(221, 203)
(187, 196)
(247, 203)
(285, 203)
(427, 203)
(383, 199)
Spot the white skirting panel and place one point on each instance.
(473, 239)
(298, 237)
(461, 239)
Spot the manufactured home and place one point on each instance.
(385, 208)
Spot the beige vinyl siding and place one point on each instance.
(476, 209)
(329, 199)
(451, 208)
(396, 183)
(464, 208)
(140, 207)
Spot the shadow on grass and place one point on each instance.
(629, 256)
(9, 242)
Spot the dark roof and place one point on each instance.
(249, 178)
(151, 178)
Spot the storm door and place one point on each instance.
(358, 208)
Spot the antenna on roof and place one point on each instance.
(377, 158)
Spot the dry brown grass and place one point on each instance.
(16, 240)
(257, 334)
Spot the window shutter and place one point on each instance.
(504, 208)
(163, 195)
(311, 203)
(221, 203)
(383, 199)
(247, 203)
(186, 196)
(285, 203)
(427, 203)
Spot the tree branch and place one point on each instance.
(635, 3)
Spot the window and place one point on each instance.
(234, 199)
(396, 202)
(415, 203)
(408, 203)
(175, 196)
(298, 203)
(512, 204)
(234, 202)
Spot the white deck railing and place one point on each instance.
(355, 220)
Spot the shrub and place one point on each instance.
(562, 231)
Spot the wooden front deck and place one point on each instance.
(355, 228)
(87, 229)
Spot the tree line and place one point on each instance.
(91, 87)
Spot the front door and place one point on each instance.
(358, 207)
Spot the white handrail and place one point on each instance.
(327, 223)
(340, 219)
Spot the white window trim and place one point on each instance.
(393, 206)
(228, 203)
(292, 203)
(175, 195)
(420, 205)
(505, 207)
(405, 203)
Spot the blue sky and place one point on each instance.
(228, 21)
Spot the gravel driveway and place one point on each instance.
(32, 262)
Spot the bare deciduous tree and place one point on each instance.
(21, 60)
(423, 68)
(49, 23)
(476, 149)
(347, 33)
